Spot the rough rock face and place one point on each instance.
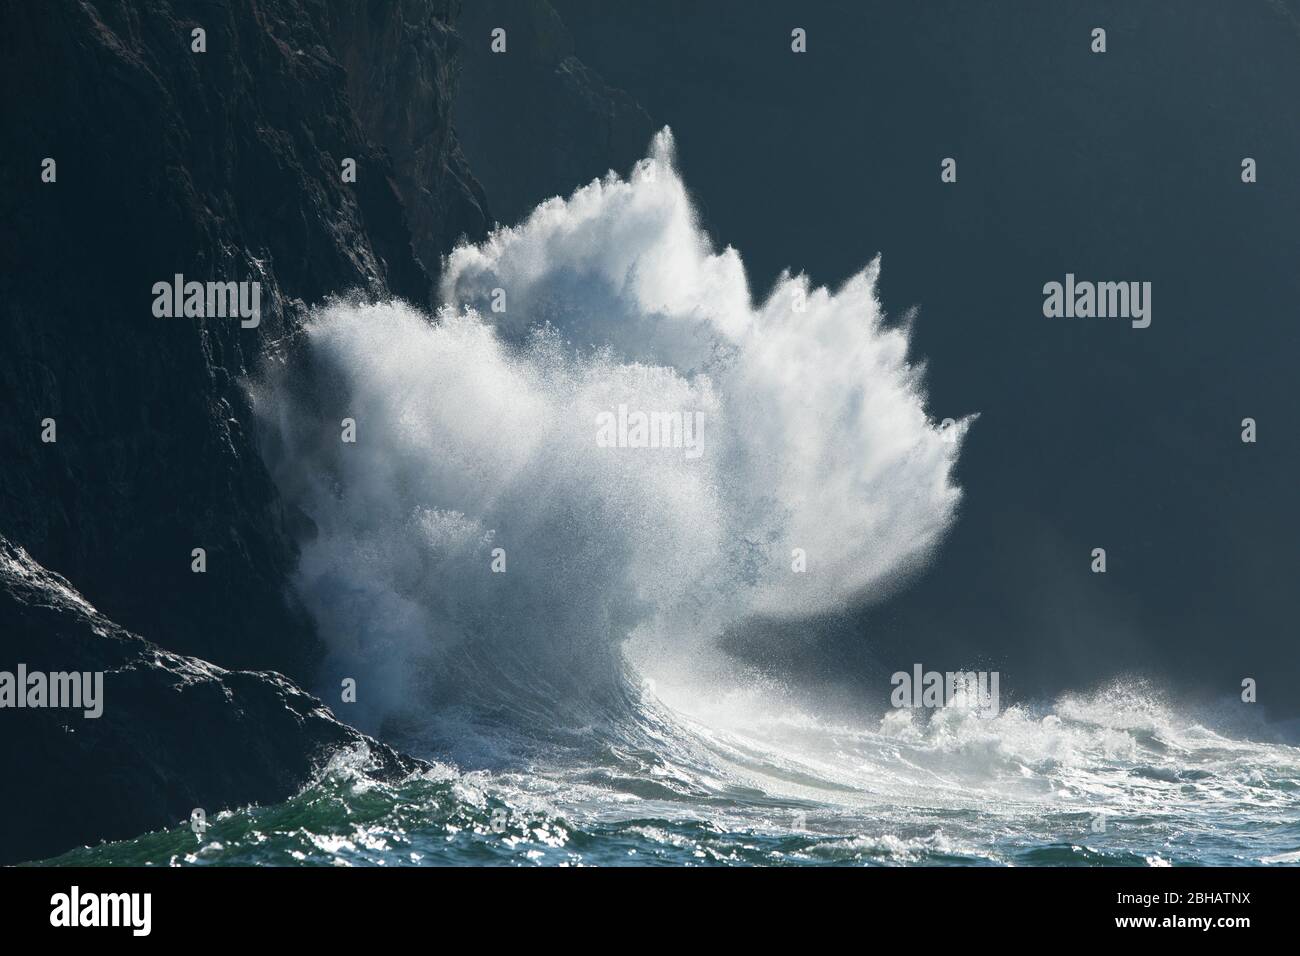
(175, 732)
(535, 121)
(220, 165)
(401, 63)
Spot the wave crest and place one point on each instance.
(477, 429)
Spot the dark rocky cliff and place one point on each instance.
(222, 165)
(176, 733)
(219, 165)
(402, 70)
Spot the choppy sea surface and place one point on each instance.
(528, 590)
(1116, 779)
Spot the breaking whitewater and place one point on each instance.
(525, 521)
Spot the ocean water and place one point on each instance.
(957, 788)
(536, 605)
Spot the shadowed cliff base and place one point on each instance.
(174, 733)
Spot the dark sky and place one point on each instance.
(1116, 166)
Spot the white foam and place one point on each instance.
(476, 431)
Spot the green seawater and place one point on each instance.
(1105, 781)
